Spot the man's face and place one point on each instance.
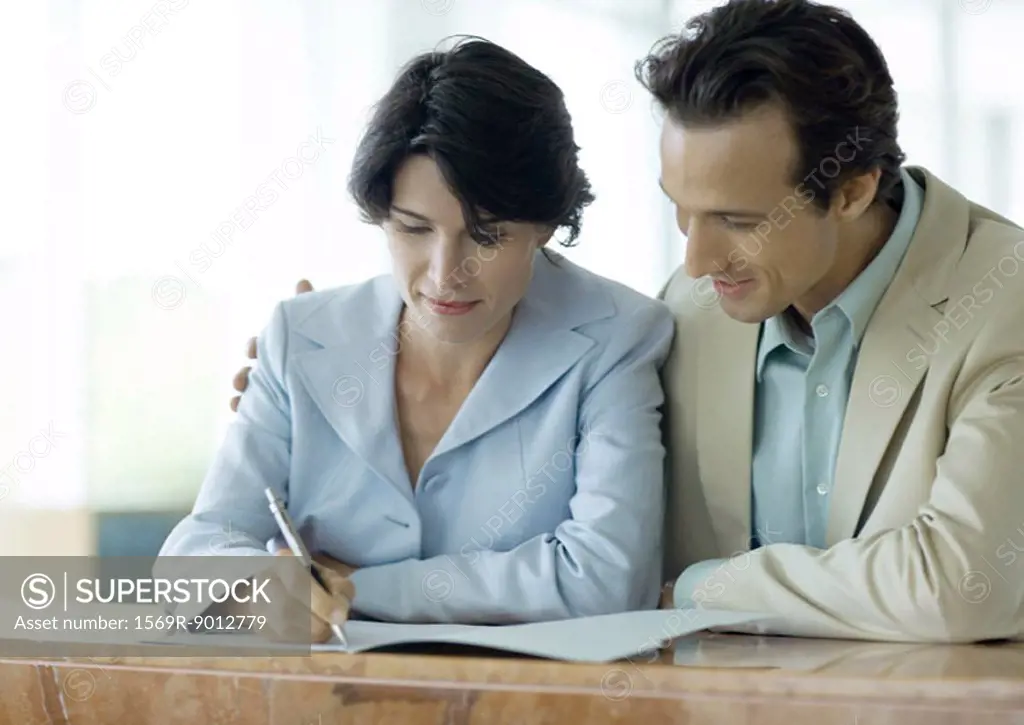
(755, 234)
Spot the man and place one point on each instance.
(846, 393)
(845, 412)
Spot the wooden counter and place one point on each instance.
(704, 679)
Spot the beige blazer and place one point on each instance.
(926, 521)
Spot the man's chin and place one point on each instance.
(745, 312)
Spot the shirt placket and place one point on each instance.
(819, 396)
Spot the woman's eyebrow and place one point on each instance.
(409, 213)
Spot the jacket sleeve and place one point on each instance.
(230, 516)
(606, 556)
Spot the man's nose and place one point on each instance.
(704, 254)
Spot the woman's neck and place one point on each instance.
(434, 363)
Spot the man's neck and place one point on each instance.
(857, 247)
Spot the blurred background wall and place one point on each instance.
(134, 131)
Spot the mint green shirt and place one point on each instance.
(802, 388)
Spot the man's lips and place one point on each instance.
(731, 287)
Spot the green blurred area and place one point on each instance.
(153, 396)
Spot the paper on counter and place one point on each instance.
(602, 638)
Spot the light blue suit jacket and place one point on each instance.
(543, 500)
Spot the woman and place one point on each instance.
(475, 436)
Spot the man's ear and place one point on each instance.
(854, 196)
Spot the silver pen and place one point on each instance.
(294, 541)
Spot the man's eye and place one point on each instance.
(739, 225)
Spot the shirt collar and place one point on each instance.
(858, 301)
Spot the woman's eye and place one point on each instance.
(406, 229)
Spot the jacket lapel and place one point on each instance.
(725, 408)
(892, 360)
(351, 378)
(540, 347)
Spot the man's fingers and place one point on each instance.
(303, 286)
(667, 598)
(241, 381)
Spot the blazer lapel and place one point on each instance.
(540, 347)
(351, 378)
(725, 409)
(892, 360)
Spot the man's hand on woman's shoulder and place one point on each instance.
(241, 379)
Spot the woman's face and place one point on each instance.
(454, 288)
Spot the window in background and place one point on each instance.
(133, 274)
(152, 273)
(986, 53)
(40, 449)
(40, 435)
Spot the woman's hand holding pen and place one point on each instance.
(334, 565)
(330, 606)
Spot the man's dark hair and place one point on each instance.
(812, 59)
(497, 128)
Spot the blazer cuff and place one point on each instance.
(398, 591)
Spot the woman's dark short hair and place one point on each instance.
(813, 59)
(497, 128)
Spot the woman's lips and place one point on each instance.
(451, 307)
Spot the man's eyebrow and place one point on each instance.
(747, 213)
(751, 213)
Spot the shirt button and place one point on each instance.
(821, 390)
(822, 489)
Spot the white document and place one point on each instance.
(602, 638)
